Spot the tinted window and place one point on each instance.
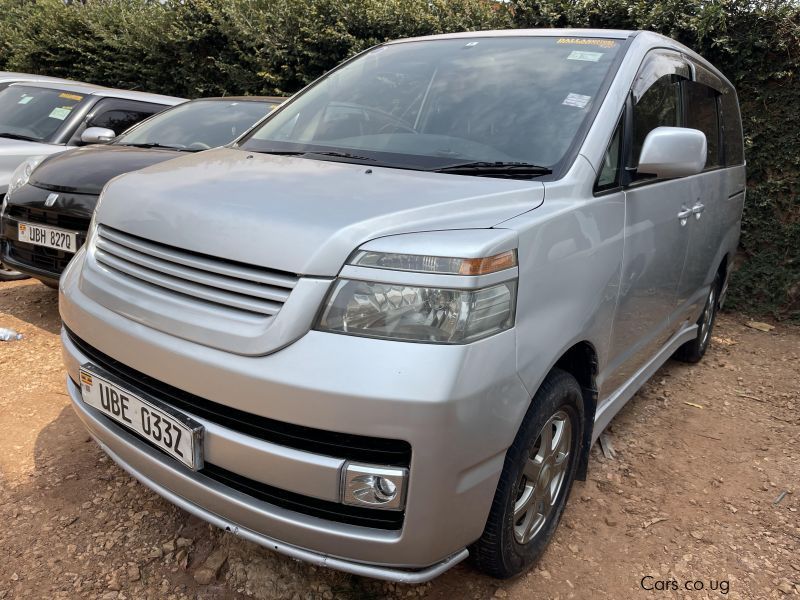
(733, 144)
(35, 113)
(429, 103)
(701, 113)
(200, 124)
(120, 116)
(609, 171)
(659, 106)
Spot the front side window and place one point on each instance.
(118, 117)
(439, 102)
(659, 106)
(702, 114)
(609, 177)
(35, 113)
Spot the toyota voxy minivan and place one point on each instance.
(381, 331)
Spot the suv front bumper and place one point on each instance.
(458, 407)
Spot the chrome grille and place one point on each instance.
(234, 285)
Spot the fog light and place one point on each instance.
(374, 487)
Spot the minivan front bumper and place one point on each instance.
(457, 406)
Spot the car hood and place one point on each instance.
(297, 214)
(14, 152)
(86, 170)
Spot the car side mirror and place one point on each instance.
(97, 135)
(670, 152)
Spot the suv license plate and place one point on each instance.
(49, 237)
(173, 432)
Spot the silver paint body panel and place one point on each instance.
(616, 271)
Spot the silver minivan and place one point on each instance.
(381, 332)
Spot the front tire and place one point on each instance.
(7, 274)
(536, 480)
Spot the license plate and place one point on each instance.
(49, 237)
(173, 432)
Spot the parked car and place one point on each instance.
(42, 118)
(382, 330)
(9, 77)
(46, 218)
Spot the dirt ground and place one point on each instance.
(694, 498)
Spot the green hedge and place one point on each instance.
(215, 47)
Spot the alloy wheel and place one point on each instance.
(542, 477)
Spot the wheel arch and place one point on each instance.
(581, 361)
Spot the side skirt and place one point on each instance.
(618, 399)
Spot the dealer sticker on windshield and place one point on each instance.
(584, 55)
(60, 113)
(576, 100)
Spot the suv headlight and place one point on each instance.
(421, 313)
(22, 173)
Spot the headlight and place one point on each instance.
(420, 314)
(22, 173)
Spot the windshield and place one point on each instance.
(448, 102)
(198, 125)
(34, 113)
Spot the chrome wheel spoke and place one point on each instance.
(542, 477)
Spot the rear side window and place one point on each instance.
(702, 114)
(658, 106)
(733, 144)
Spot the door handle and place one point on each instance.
(697, 210)
(684, 215)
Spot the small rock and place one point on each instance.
(183, 542)
(114, 585)
(610, 522)
(156, 553)
(71, 548)
(697, 535)
(573, 548)
(168, 547)
(210, 569)
(86, 505)
(500, 593)
(785, 586)
(14, 577)
(545, 573)
(110, 596)
(134, 574)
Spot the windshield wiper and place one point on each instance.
(488, 169)
(16, 136)
(332, 153)
(159, 146)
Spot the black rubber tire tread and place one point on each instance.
(497, 553)
(693, 350)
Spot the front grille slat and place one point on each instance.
(197, 261)
(188, 288)
(202, 277)
(190, 274)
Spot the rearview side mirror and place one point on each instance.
(670, 152)
(97, 135)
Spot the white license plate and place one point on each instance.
(49, 237)
(173, 432)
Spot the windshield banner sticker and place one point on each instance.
(588, 42)
(60, 113)
(576, 100)
(67, 96)
(583, 55)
